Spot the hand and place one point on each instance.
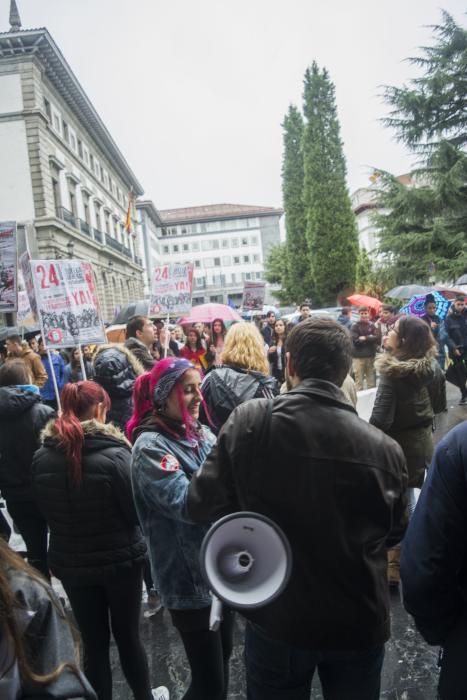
(272, 349)
(434, 325)
(457, 353)
(212, 349)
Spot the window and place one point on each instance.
(86, 208)
(236, 260)
(80, 148)
(175, 249)
(217, 262)
(195, 246)
(247, 276)
(86, 155)
(97, 211)
(209, 262)
(234, 242)
(165, 249)
(225, 242)
(56, 123)
(105, 176)
(215, 245)
(258, 275)
(164, 231)
(256, 258)
(206, 245)
(56, 195)
(48, 110)
(73, 141)
(197, 263)
(244, 241)
(246, 258)
(72, 192)
(234, 277)
(254, 240)
(204, 228)
(226, 260)
(194, 228)
(91, 161)
(65, 130)
(185, 247)
(107, 221)
(183, 230)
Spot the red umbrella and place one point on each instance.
(206, 313)
(364, 300)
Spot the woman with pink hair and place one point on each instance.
(170, 445)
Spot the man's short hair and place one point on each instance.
(136, 323)
(14, 339)
(345, 311)
(320, 348)
(460, 297)
(270, 313)
(304, 303)
(388, 307)
(363, 308)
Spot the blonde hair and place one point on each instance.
(244, 347)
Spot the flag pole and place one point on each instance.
(166, 344)
(54, 380)
(81, 362)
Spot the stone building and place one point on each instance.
(228, 244)
(62, 173)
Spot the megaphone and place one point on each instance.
(246, 561)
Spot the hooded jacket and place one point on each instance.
(409, 393)
(94, 531)
(116, 369)
(49, 643)
(141, 352)
(335, 486)
(22, 417)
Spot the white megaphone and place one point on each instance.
(246, 560)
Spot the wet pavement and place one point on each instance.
(410, 666)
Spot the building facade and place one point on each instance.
(63, 177)
(227, 243)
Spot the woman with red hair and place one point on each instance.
(82, 485)
(170, 445)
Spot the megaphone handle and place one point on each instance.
(215, 616)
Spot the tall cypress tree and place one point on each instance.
(331, 228)
(298, 277)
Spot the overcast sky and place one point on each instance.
(194, 91)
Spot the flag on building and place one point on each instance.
(129, 220)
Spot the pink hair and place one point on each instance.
(143, 401)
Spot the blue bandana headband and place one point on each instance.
(168, 380)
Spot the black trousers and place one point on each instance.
(208, 652)
(115, 606)
(33, 529)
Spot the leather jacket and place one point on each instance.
(335, 485)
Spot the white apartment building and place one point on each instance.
(227, 243)
(63, 175)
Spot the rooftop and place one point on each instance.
(215, 211)
(39, 43)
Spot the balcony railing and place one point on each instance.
(67, 216)
(85, 228)
(138, 261)
(112, 243)
(127, 253)
(98, 236)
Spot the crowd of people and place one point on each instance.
(154, 439)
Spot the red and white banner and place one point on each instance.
(67, 303)
(8, 267)
(171, 290)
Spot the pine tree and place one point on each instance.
(276, 271)
(298, 278)
(331, 228)
(426, 226)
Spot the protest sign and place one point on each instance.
(171, 290)
(67, 303)
(25, 273)
(24, 317)
(253, 296)
(8, 267)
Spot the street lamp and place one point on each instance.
(70, 248)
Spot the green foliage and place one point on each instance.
(297, 282)
(331, 230)
(423, 233)
(276, 271)
(370, 279)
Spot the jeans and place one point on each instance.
(277, 671)
(97, 608)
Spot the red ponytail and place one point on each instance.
(77, 401)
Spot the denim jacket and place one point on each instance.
(161, 470)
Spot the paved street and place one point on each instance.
(410, 667)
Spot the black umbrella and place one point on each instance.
(137, 308)
(462, 280)
(23, 331)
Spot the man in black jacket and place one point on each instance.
(455, 326)
(335, 485)
(141, 334)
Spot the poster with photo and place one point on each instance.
(8, 267)
(25, 273)
(253, 296)
(171, 290)
(67, 303)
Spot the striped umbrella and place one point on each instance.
(416, 305)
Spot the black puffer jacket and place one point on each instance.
(116, 369)
(410, 393)
(94, 531)
(225, 388)
(22, 417)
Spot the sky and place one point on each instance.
(194, 91)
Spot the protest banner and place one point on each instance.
(67, 303)
(8, 267)
(25, 273)
(171, 290)
(24, 317)
(253, 296)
